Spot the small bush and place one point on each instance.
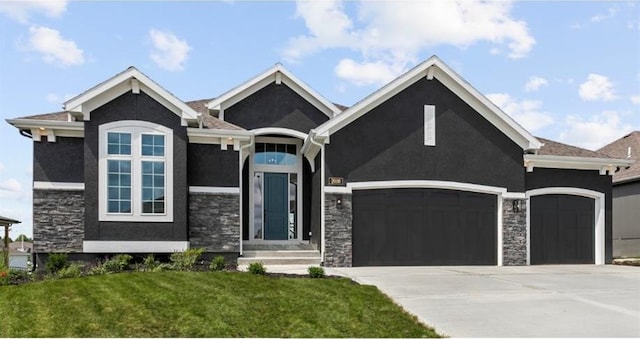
(163, 267)
(73, 270)
(257, 268)
(218, 263)
(56, 262)
(186, 260)
(148, 264)
(14, 277)
(315, 272)
(118, 263)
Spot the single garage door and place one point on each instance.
(562, 229)
(423, 227)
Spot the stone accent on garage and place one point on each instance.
(58, 221)
(214, 221)
(338, 231)
(514, 233)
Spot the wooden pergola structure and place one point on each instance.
(6, 222)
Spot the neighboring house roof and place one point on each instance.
(434, 68)
(131, 79)
(8, 221)
(276, 74)
(626, 147)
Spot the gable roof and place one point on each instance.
(430, 68)
(626, 147)
(131, 79)
(277, 74)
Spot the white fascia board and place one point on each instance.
(123, 80)
(260, 81)
(215, 136)
(279, 130)
(563, 162)
(430, 68)
(100, 246)
(52, 129)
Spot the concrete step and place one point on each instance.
(278, 247)
(282, 254)
(243, 261)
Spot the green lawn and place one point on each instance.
(201, 304)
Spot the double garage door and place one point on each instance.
(448, 227)
(424, 227)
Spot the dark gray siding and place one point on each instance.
(591, 180)
(275, 106)
(135, 107)
(388, 143)
(209, 165)
(245, 200)
(626, 219)
(59, 161)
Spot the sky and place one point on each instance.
(566, 71)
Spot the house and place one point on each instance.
(626, 196)
(424, 171)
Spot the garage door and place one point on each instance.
(423, 227)
(562, 229)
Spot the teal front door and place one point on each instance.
(276, 201)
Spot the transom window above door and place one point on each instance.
(275, 154)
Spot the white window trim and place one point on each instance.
(136, 128)
(429, 125)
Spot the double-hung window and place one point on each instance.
(135, 172)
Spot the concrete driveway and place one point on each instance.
(525, 301)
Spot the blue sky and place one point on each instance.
(568, 71)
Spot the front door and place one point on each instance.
(276, 209)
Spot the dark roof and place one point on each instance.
(55, 116)
(620, 149)
(199, 106)
(341, 107)
(5, 221)
(550, 147)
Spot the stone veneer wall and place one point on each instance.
(58, 221)
(214, 221)
(514, 233)
(338, 237)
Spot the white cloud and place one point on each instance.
(528, 113)
(54, 48)
(611, 12)
(394, 32)
(534, 83)
(367, 73)
(22, 10)
(169, 52)
(594, 132)
(11, 185)
(597, 87)
(635, 99)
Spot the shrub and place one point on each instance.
(149, 263)
(56, 262)
(257, 268)
(117, 263)
(186, 260)
(14, 277)
(73, 270)
(217, 264)
(316, 272)
(162, 267)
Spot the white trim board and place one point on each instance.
(599, 198)
(214, 189)
(60, 186)
(453, 185)
(100, 246)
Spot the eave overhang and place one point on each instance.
(222, 137)
(603, 165)
(49, 129)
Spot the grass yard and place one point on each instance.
(201, 304)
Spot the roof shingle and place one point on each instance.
(626, 147)
(550, 147)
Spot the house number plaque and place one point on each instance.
(336, 181)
